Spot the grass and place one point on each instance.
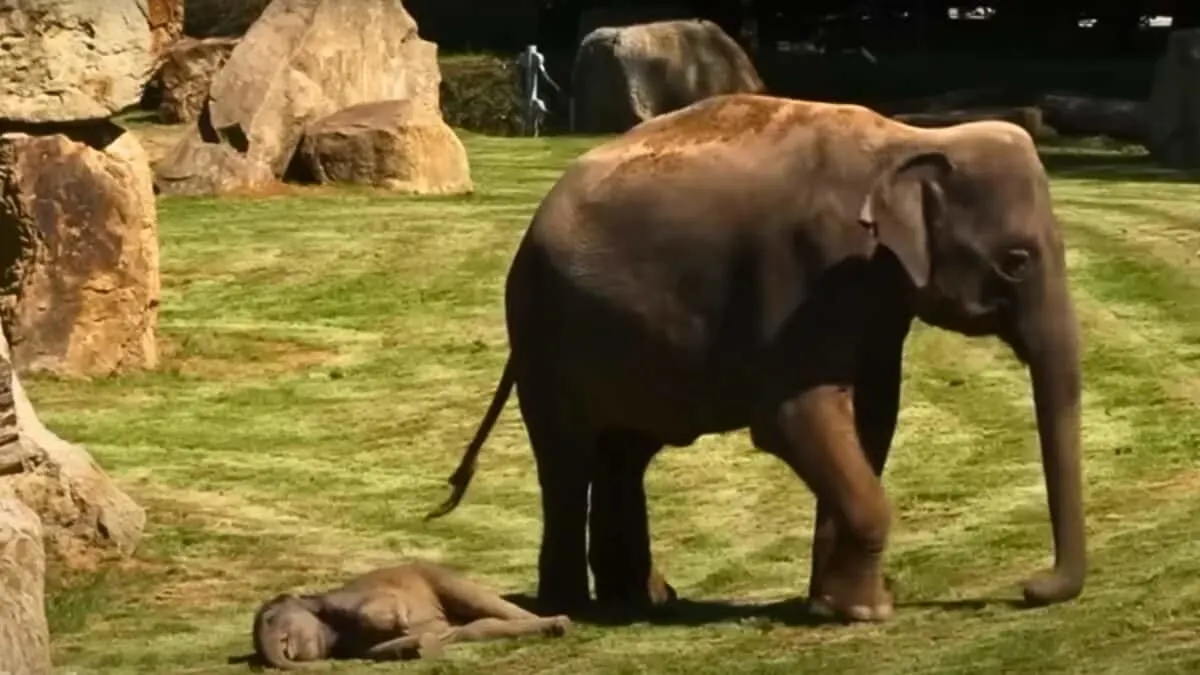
(329, 352)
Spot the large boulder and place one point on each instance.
(188, 69)
(386, 144)
(79, 245)
(1173, 115)
(69, 60)
(625, 75)
(85, 517)
(24, 633)
(300, 61)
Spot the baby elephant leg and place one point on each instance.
(491, 629)
(423, 645)
(430, 641)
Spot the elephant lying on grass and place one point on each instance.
(407, 611)
(751, 261)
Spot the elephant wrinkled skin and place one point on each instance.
(752, 261)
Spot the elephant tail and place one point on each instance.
(462, 476)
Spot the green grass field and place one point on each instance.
(328, 353)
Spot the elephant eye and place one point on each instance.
(1014, 264)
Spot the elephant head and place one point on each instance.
(288, 633)
(967, 212)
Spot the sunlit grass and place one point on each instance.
(329, 352)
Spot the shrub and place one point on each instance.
(479, 93)
(220, 18)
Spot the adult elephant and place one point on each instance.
(752, 261)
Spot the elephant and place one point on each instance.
(755, 262)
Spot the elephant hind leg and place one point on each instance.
(619, 546)
(563, 454)
(814, 433)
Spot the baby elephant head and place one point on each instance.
(287, 632)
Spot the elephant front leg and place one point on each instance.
(876, 408)
(815, 434)
(619, 547)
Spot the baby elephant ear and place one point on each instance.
(903, 203)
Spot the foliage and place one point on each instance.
(910, 75)
(220, 18)
(328, 353)
(479, 93)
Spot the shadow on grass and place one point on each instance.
(1112, 166)
(789, 612)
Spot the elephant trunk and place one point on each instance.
(1048, 337)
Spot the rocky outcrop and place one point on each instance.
(70, 60)
(300, 61)
(385, 144)
(24, 633)
(187, 73)
(165, 18)
(85, 517)
(79, 244)
(1173, 116)
(623, 76)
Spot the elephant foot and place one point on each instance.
(634, 597)
(853, 591)
(659, 591)
(827, 608)
(558, 626)
(430, 647)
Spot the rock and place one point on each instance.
(70, 60)
(1074, 115)
(1173, 119)
(300, 61)
(24, 633)
(78, 234)
(84, 515)
(187, 73)
(195, 167)
(384, 144)
(625, 75)
(165, 18)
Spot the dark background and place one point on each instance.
(809, 48)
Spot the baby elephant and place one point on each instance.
(407, 611)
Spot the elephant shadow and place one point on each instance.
(788, 612)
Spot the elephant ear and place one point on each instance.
(903, 204)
